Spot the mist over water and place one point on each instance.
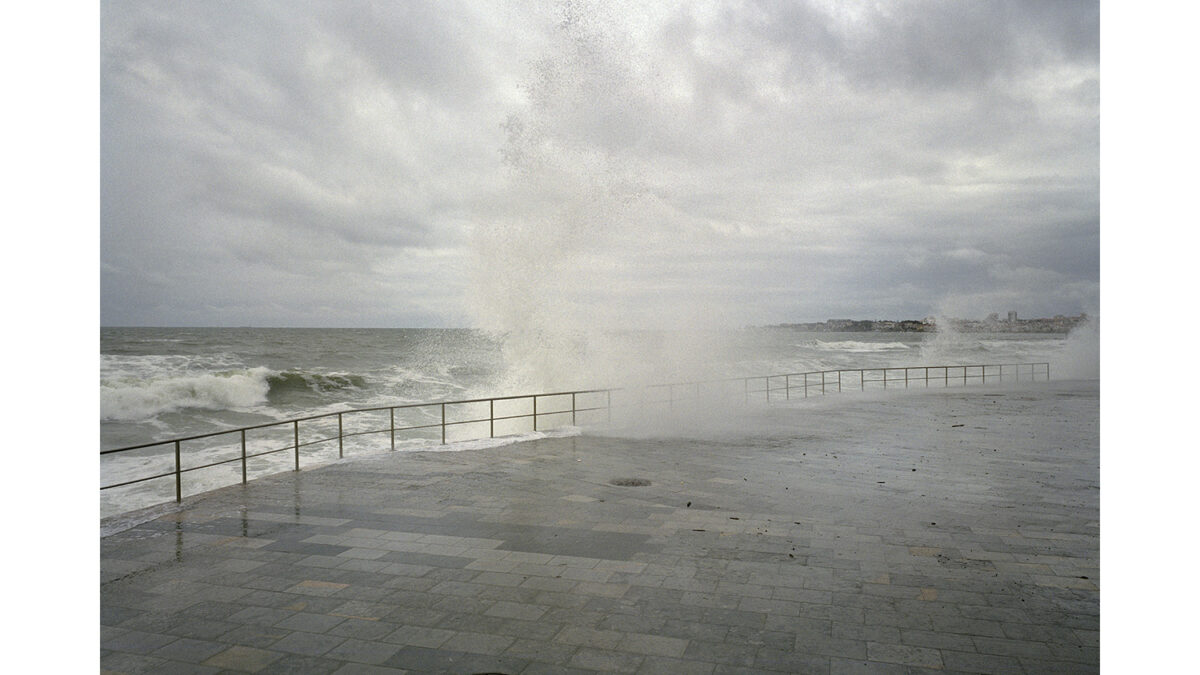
(1073, 357)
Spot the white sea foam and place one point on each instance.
(131, 399)
(400, 375)
(858, 347)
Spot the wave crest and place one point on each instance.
(133, 399)
(130, 400)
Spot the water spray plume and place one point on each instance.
(1080, 355)
(560, 273)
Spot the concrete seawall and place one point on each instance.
(948, 530)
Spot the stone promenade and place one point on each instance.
(947, 531)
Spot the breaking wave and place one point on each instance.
(128, 399)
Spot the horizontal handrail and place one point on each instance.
(825, 380)
(403, 406)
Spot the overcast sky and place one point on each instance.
(478, 163)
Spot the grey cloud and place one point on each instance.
(927, 45)
(425, 46)
(781, 159)
(247, 136)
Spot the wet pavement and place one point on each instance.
(948, 531)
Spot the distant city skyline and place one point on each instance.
(991, 323)
(643, 164)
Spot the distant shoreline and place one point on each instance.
(992, 324)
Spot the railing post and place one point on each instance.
(787, 388)
(535, 412)
(839, 381)
(862, 380)
(885, 378)
(392, 414)
(243, 456)
(296, 440)
(572, 408)
(906, 377)
(806, 385)
(178, 476)
(926, 377)
(340, 436)
(443, 424)
(822, 383)
(491, 418)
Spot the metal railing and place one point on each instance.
(440, 417)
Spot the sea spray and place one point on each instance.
(1079, 355)
(949, 346)
(569, 275)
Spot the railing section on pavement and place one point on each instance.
(448, 421)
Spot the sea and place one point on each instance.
(159, 384)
